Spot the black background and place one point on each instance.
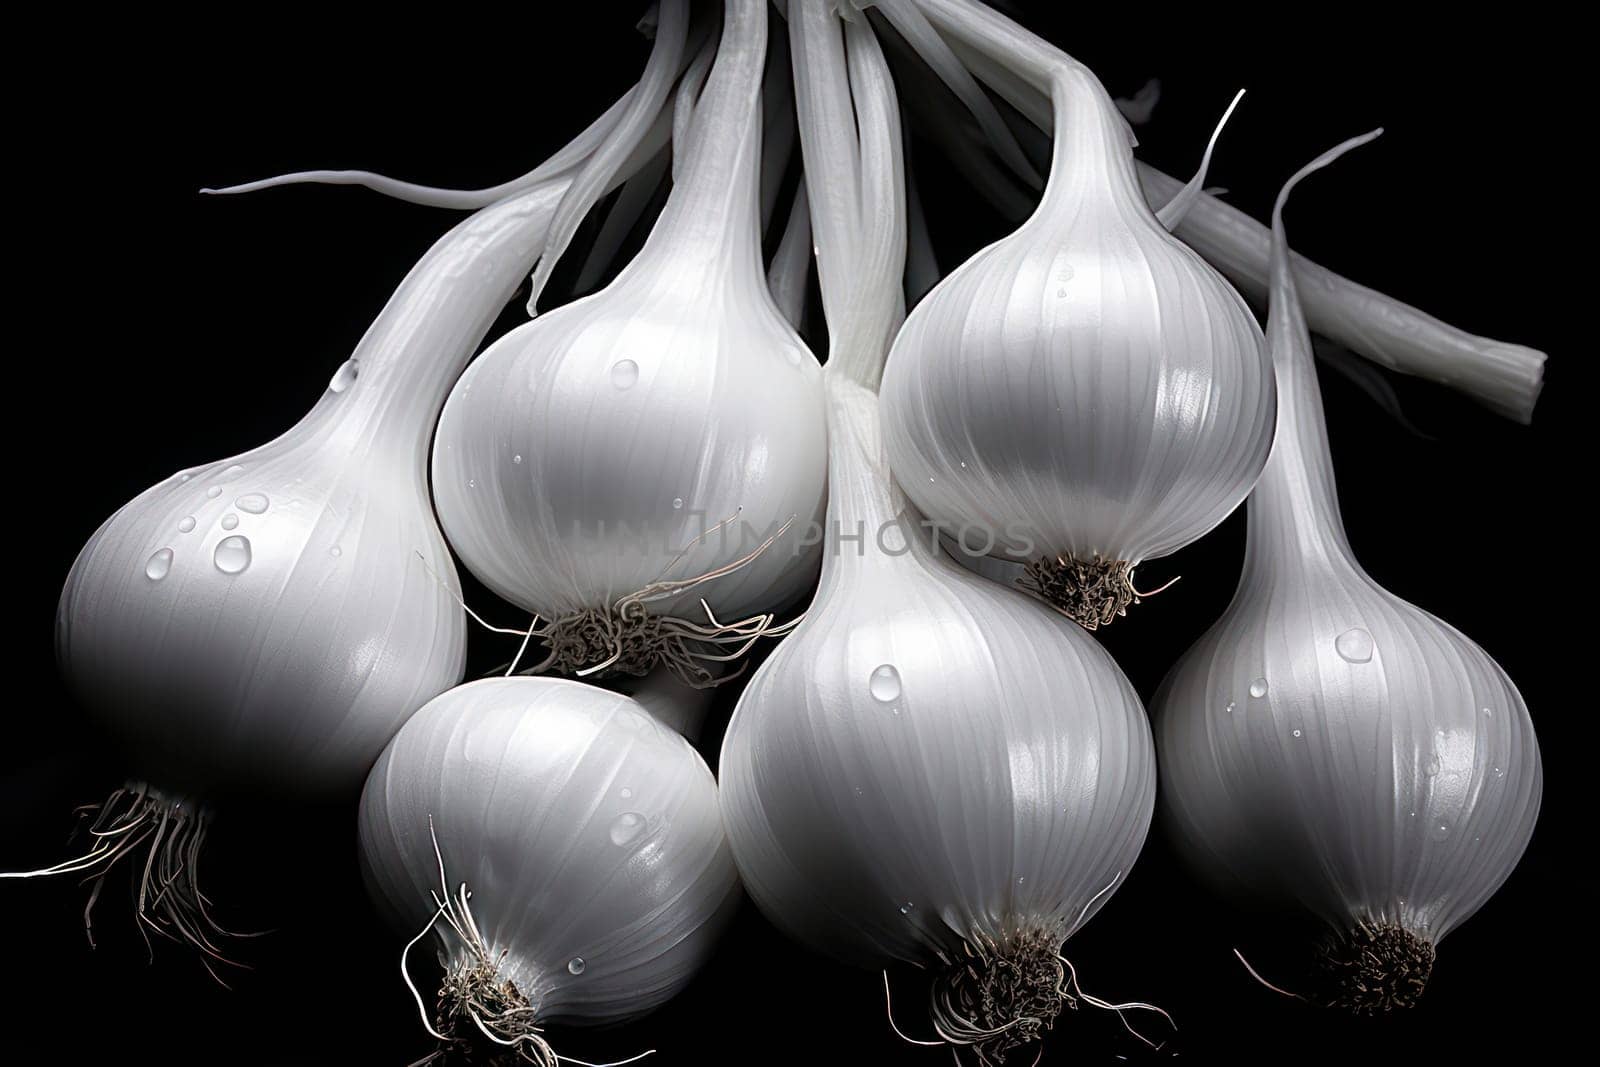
(169, 329)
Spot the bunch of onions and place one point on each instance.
(930, 769)
(638, 467)
(1327, 744)
(291, 605)
(1086, 393)
(564, 848)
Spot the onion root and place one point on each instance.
(1090, 592)
(163, 836)
(1374, 969)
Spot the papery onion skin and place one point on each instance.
(1086, 387)
(1329, 745)
(584, 829)
(930, 759)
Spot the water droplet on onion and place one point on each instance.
(158, 565)
(232, 554)
(884, 683)
(344, 377)
(1258, 688)
(624, 372)
(626, 827)
(1355, 646)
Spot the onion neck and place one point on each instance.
(1091, 160)
(1296, 502)
(419, 344)
(869, 521)
(711, 222)
(1091, 134)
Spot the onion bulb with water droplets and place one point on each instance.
(935, 770)
(563, 848)
(931, 769)
(287, 607)
(1327, 744)
(639, 467)
(1086, 393)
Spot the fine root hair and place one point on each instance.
(480, 1017)
(1092, 592)
(1373, 969)
(998, 995)
(160, 838)
(628, 637)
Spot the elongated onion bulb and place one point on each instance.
(291, 605)
(586, 462)
(586, 833)
(933, 769)
(1327, 743)
(1086, 393)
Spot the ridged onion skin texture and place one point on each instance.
(587, 833)
(1087, 386)
(583, 451)
(1326, 743)
(929, 760)
(286, 608)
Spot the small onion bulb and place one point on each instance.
(1329, 745)
(578, 846)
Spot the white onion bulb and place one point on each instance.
(291, 605)
(287, 607)
(1086, 393)
(276, 608)
(582, 845)
(580, 460)
(933, 769)
(1328, 744)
